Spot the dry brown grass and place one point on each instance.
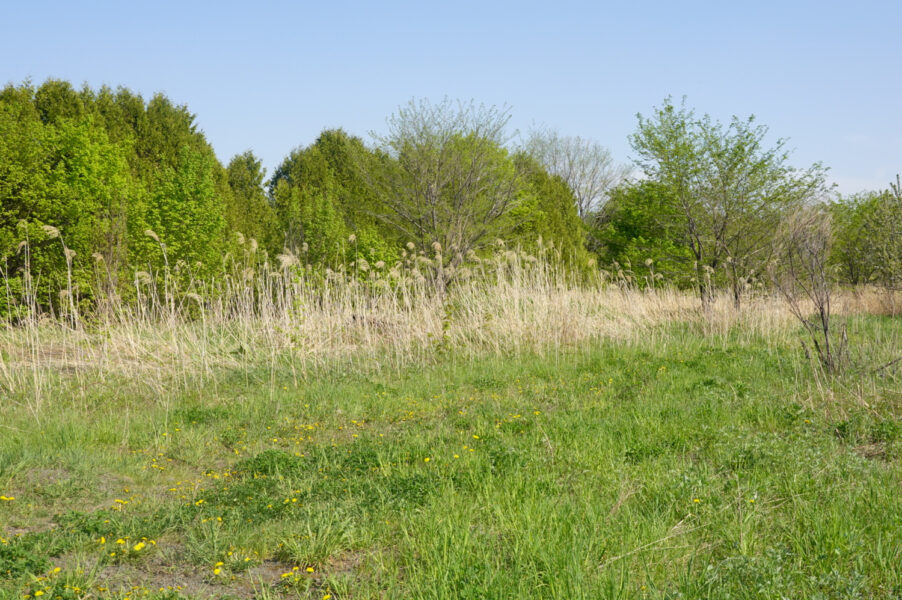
(291, 320)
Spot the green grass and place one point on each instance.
(682, 467)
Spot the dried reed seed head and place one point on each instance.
(253, 245)
(305, 247)
(380, 264)
(649, 262)
(69, 253)
(98, 257)
(51, 231)
(240, 237)
(152, 235)
(436, 246)
(286, 260)
(143, 277)
(21, 245)
(411, 246)
(352, 238)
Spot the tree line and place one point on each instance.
(99, 185)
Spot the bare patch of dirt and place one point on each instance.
(873, 451)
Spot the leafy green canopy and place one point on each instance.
(725, 191)
(116, 181)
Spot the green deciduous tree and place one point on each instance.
(886, 229)
(639, 231)
(729, 190)
(854, 252)
(451, 180)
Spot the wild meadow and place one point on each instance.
(445, 363)
(519, 434)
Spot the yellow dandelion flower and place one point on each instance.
(138, 547)
(217, 571)
(310, 569)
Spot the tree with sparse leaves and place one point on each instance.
(587, 167)
(451, 180)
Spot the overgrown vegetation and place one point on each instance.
(444, 366)
(100, 187)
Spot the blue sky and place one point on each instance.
(269, 76)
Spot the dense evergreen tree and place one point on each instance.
(547, 211)
(83, 176)
(321, 196)
(248, 211)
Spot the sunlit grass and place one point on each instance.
(685, 464)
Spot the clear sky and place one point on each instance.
(269, 76)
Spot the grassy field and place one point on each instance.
(520, 436)
(678, 463)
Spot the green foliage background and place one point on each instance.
(123, 185)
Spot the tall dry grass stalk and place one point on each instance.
(263, 318)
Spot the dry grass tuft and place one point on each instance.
(292, 317)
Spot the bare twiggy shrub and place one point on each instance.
(800, 272)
